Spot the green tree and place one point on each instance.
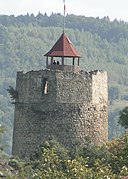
(2, 130)
(123, 118)
(50, 164)
(118, 152)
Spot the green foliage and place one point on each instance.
(61, 151)
(15, 163)
(2, 130)
(118, 149)
(105, 161)
(13, 93)
(95, 153)
(123, 118)
(112, 31)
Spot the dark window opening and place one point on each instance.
(45, 86)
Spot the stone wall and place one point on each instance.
(75, 106)
(99, 87)
(62, 86)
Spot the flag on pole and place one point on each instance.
(64, 7)
(64, 16)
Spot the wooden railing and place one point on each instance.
(66, 68)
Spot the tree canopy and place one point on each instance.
(89, 162)
(123, 118)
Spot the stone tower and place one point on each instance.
(61, 101)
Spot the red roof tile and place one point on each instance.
(63, 48)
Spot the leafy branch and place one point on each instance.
(13, 93)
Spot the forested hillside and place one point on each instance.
(102, 44)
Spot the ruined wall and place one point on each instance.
(75, 106)
(63, 87)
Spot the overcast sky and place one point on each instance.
(113, 8)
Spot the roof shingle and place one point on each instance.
(63, 48)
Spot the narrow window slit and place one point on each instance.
(45, 86)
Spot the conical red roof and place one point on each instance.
(63, 48)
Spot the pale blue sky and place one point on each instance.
(113, 8)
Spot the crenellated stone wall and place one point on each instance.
(59, 104)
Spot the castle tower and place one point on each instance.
(60, 101)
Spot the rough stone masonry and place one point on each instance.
(65, 105)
